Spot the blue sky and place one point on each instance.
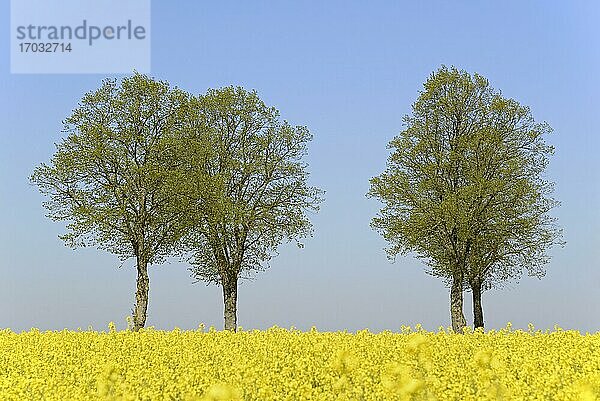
(349, 71)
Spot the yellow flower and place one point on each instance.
(222, 392)
(280, 364)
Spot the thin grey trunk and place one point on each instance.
(477, 309)
(141, 295)
(456, 305)
(230, 303)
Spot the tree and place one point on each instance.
(519, 241)
(249, 184)
(112, 177)
(463, 188)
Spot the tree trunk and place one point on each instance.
(477, 309)
(456, 306)
(141, 295)
(230, 303)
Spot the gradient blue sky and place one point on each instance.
(349, 70)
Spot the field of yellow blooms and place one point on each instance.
(280, 364)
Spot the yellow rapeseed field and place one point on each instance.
(280, 364)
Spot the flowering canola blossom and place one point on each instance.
(280, 364)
